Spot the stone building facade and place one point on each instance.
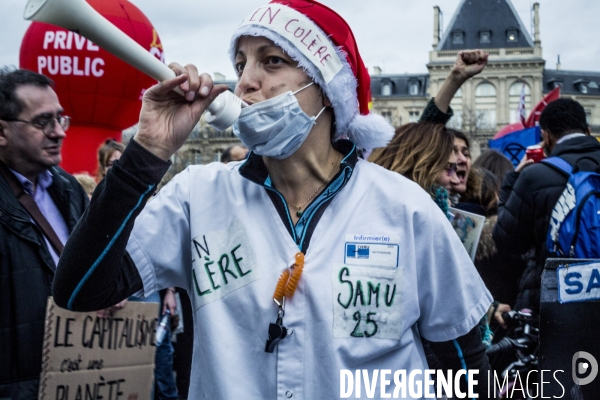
(490, 100)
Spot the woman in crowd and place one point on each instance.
(427, 152)
(423, 153)
(463, 156)
(87, 182)
(495, 162)
(484, 182)
(438, 110)
(492, 266)
(279, 252)
(109, 152)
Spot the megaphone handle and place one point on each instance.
(179, 91)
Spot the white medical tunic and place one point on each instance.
(384, 268)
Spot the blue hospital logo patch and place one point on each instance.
(357, 251)
(386, 255)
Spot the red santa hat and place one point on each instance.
(323, 45)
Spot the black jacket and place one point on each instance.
(26, 273)
(526, 203)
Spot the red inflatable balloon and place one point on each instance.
(101, 93)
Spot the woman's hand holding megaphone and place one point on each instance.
(167, 118)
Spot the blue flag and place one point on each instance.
(514, 144)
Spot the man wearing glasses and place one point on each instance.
(39, 206)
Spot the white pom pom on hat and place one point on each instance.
(323, 45)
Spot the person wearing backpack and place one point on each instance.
(529, 194)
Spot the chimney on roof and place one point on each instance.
(436, 26)
(536, 25)
(558, 63)
(376, 70)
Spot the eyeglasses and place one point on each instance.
(451, 168)
(46, 124)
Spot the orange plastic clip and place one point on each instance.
(288, 281)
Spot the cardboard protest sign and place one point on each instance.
(468, 227)
(86, 356)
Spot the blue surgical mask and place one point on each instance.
(276, 127)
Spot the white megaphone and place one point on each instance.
(79, 16)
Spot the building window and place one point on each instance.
(387, 115)
(458, 37)
(515, 89)
(413, 116)
(196, 156)
(588, 116)
(514, 98)
(485, 106)
(413, 88)
(485, 89)
(458, 94)
(485, 119)
(582, 85)
(485, 36)
(593, 85)
(512, 35)
(386, 89)
(456, 121)
(554, 83)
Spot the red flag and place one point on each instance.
(534, 116)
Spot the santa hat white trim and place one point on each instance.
(366, 131)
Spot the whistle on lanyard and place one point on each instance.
(276, 330)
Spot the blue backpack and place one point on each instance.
(574, 229)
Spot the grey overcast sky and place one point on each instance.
(395, 35)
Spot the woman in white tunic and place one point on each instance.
(373, 265)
